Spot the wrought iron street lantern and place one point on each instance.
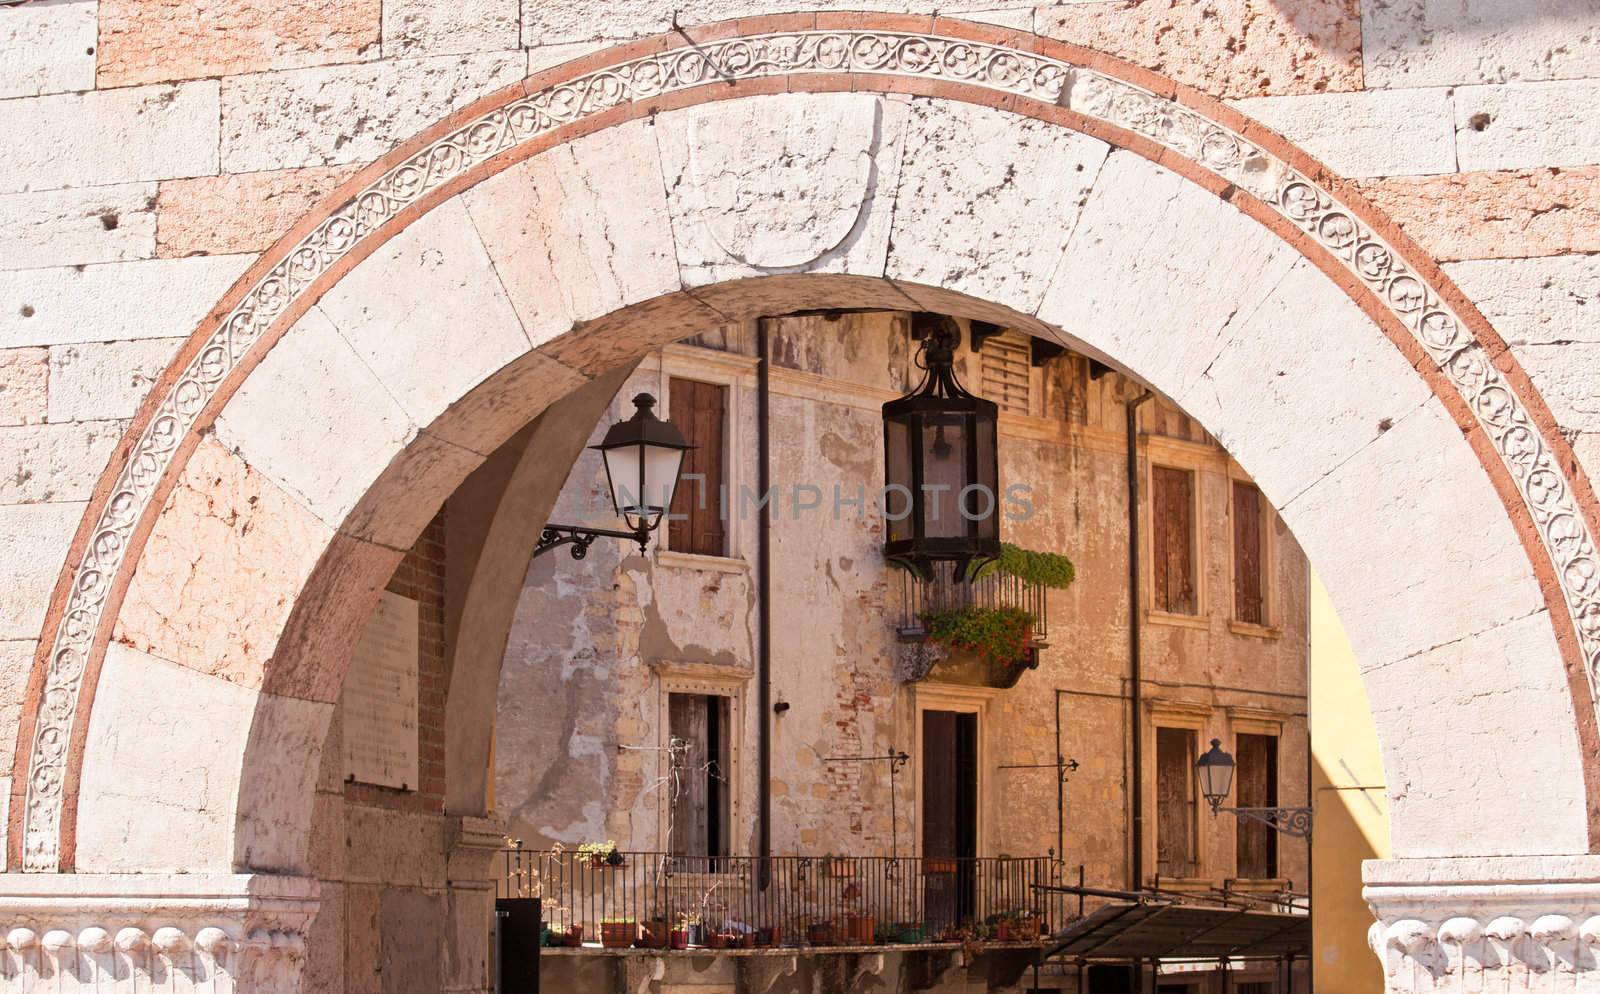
(941, 467)
(643, 457)
(1215, 769)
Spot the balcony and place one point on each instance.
(656, 901)
(945, 594)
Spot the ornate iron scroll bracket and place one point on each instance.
(1293, 822)
(555, 536)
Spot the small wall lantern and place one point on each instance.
(1214, 770)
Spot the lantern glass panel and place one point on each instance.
(896, 501)
(622, 470)
(944, 474)
(660, 476)
(983, 506)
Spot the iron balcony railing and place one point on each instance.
(945, 593)
(663, 901)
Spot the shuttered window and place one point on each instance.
(698, 525)
(1007, 371)
(1256, 771)
(697, 782)
(1249, 556)
(1172, 544)
(1175, 804)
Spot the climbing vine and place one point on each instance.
(1050, 569)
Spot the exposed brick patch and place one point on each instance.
(151, 41)
(247, 212)
(1495, 215)
(420, 576)
(1251, 48)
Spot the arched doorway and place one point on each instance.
(589, 214)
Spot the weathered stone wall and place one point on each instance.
(579, 718)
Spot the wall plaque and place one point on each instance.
(380, 698)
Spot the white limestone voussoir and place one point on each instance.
(275, 806)
(162, 800)
(110, 136)
(1306, 339)
(579, 231)
(152, 298)
(782, 184)
(974, 178)
(1415, 494)
(315, 420)
(427, 314)
(1156, 268)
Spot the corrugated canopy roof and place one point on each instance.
(1175, 931)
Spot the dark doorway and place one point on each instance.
(949, 815)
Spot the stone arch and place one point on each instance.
(1394, 391)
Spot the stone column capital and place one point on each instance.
(138, 932)
(1489, 922)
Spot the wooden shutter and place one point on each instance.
(700, 412)
(1172, 544)
(686, 720)
(1249, 603)
(1174, 802)
(1256, 784)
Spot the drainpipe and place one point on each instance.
(1135, 657)
(764, 607)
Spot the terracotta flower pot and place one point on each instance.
(618, 935)
(820, 933)
(680, 938)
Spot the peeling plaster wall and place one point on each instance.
(579, 709)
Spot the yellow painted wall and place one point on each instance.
(1350, 824)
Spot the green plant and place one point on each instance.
(998, 634)
(1051, 569)
(599, 853)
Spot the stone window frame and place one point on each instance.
(737, 373)
(710, 679)
(1189, 716)
(964, 700)
(1269, 561)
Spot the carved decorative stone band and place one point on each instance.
(153, 934)
(1489, 924)
(866, 55)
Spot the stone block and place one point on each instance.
(1424, 497)
(505, 402)
(220, 215)
(450, 27)
(324, 969)
(47, 48)
(276, 801)
(338, 114)
(413, 487)
(361, 939)
(1243, 49)
(91, 382)
(1504, 685)
(821, 201)
(153, 298)
(1535, 301)
(406, 966)
(161, 800)
(1527, 125)
(16, 662)
(227, 541)
(1371, 133)
(1565, 375)
(24, 379)
(35, 537)
(394, 848)
(110, 136)
(315, 420)
(77, 227)
(1156, 269)
(328, 838)
(1445, 42)
(579, 231)
(1032, 178)
(152, 41)
(54, 462)
(1495, 215)
(1304, 380)
(427, 314)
